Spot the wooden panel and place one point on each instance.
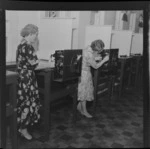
(102, 92)
(102, 86)
(102, 79)
(40, 80)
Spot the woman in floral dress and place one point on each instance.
(85, 86)
(28, 101)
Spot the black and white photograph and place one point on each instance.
(75, 78)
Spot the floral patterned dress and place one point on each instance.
(85, 85)
(28, 101)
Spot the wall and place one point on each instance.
(55, 34)
(137, 21)
(110, 17)
(27, 17)
(75, 16)
(14, 35)
(11, 35)
(84, 19)
(18, 19)
(126, 24)
(92, 17)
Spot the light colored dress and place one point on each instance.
(85, 86)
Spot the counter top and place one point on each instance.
(43, 64)
(10, 63)
(10, 73)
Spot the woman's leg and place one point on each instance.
(35, 115)
(84, 110)
(79, 107)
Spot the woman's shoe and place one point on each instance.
(87, 115)
(25, 134)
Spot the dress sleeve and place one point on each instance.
(21, 57)
(25, 53)
(31, 55)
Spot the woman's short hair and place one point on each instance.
(97, 44)
(29, 29)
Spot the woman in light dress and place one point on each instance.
(85, 86)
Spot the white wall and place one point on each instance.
(137, 21)
(54, 34)
(110, 18)
(27, 17)
(74, 44)
(122, 41)
(84, 20)
(94, 32)
(75, 31)
(12, 35)
(18, 19)
(137, 44)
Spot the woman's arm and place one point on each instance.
(96, 65)
(32, 57)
